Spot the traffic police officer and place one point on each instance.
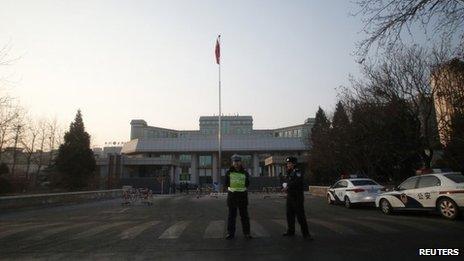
(237, 181)
(293, 185)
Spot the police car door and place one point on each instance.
(340, 190)
(427, 191)
(408, 193)
(332, 191)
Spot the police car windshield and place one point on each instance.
(456, 177)
(363, 182)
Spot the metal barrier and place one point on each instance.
(34, 200)
(320, 191)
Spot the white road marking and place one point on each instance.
(15, 224)
(435, 222)
(371, 225)
(9, 232)
(283, 222)
(412, 224)
(333, 226)
(257, 230)
(175, 230)
(215, 229)
(115, 211)
(123, 210)
(53, 231)
(137, 230)
(97, 229)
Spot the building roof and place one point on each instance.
(227, 117)
(210, 143)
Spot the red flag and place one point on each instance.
(218, 51)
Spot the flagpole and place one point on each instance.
(219, 125)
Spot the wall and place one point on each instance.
(320, 191)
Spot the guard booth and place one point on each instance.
(159, 184)
(276, 165)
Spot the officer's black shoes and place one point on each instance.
(229, 236)
(248, 236)
(288, 234)
(308, 238)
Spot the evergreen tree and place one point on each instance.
(454, 150)
(364, 122)
(5, 186)
(4, 168)
(320, 159)
(340, 138)
(386, 140)
(75, 160)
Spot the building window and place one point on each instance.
(205, 161)
(184, 177)
(202, 172)
(185, 157)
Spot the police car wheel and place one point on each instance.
(448, 208)
(347, 203)
(385, 207)
(329, 200)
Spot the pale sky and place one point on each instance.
(154, 60)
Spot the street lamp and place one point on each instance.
(18, 128)
(51, 151)
(427, 152)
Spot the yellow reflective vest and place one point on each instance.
(237, 182)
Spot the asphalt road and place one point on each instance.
(186, 228)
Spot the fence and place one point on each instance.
(11, 202)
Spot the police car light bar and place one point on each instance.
(354, 176)
(424, 171)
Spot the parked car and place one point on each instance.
(440, 191)
(354, 191)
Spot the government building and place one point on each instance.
(156, 154)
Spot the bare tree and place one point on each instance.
(386, 20)
(5, 57)
(403, 74)
(42, 137)
(53, 133)
(29, 142)
(59, 136)
(17, 134)
(10, 115)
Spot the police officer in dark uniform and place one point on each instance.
(236, 182)
(293, 185)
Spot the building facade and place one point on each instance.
(192, 155)
(448, 89)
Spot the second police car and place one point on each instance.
(440, 191)
(354, 191)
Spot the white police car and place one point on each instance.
(443, 192)
(354, 191)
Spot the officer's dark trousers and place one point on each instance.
(295, 207)
(238, 201)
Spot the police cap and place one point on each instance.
(292, 160)
(236, 157)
